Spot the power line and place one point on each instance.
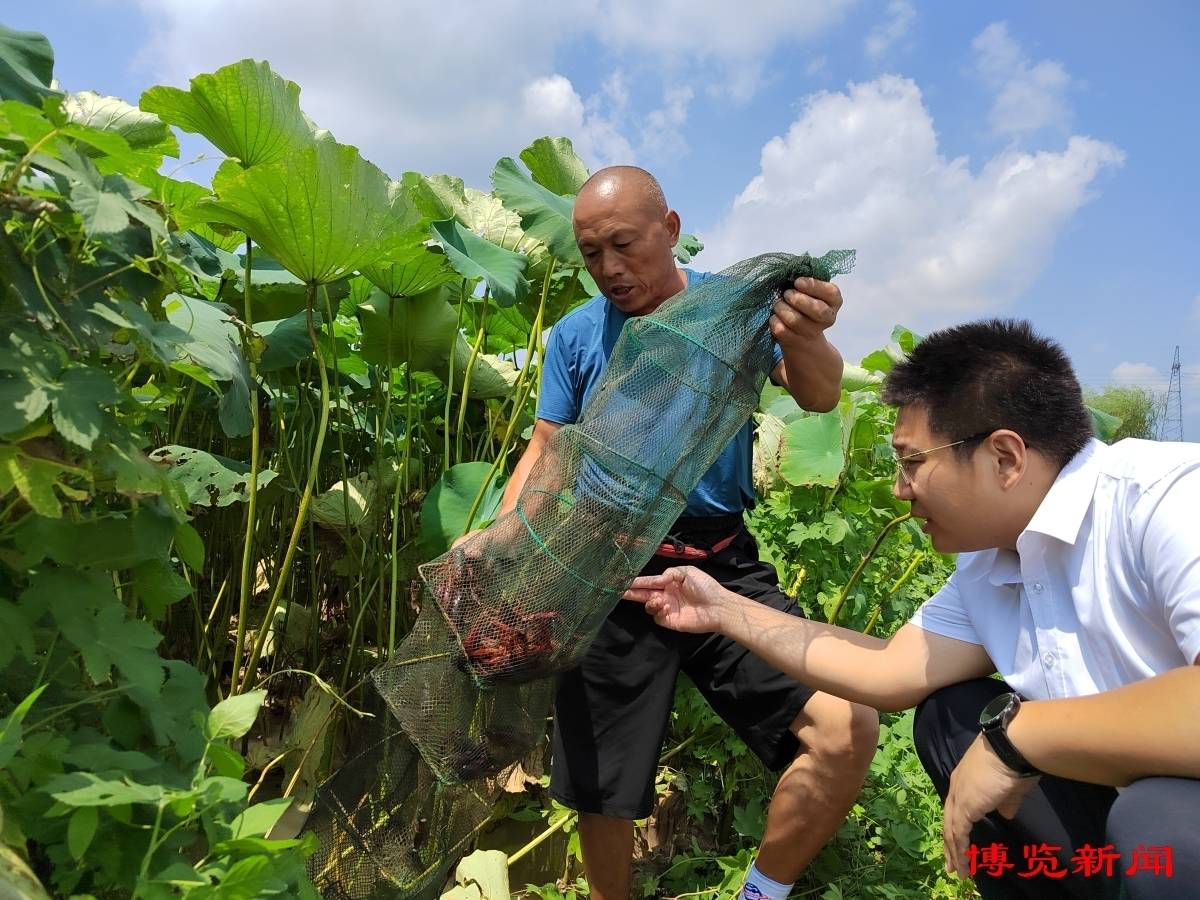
(1171, 425)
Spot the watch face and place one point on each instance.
(992, 711)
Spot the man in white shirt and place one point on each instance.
(1079, 583)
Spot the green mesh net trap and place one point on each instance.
(468, 692)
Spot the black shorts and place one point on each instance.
(611, 713)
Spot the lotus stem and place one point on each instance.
(862, 564)
(244, 587)
(281, 576)
(466, 388)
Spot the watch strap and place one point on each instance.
(995, 730)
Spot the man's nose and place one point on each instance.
(612, 265)
(901, 489)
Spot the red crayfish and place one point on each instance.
(509, 640)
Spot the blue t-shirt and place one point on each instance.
(576, 355)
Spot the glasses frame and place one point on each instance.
(902, 473)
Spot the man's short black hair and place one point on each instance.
(997, 373)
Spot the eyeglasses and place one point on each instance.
(903, 463)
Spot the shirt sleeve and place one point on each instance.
(558, 400)
(944, 614)
(1171, 556)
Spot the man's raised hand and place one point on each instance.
(805, 311)
(682, 598)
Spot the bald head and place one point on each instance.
(625, 233)
(629, 183)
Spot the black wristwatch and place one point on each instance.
(993, 724)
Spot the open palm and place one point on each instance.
(681, 598)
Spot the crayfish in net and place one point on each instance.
(509, 641)
(499, 639)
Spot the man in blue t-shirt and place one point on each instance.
(611, 713)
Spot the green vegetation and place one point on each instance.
(1137, 409)
(233, 422)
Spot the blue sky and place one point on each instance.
(1023, 158)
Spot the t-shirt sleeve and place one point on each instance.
(944, 614)
(1171, 555)
(558, 401)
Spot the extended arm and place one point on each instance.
(888, 675)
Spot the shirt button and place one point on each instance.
(1037, 587)
(1049, 659)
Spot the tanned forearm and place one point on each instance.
(812, 373)
(889, 675)
(1151, 727)
(542, 433)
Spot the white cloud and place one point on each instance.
(662, 131)
(552, 106)
(900, 16)
(937, 242)
(453, 86)
(1029, 96)
(1139, 374)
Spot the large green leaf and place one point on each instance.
(138, 127)
(418, 330)
(287, 341)
(473, 257)
(216, 348)
(26, 66)
(554, 165)
(177, 195)
(437, 196)
(857, 378)
(245, 109)
(812, 450)
(491, 377)
(1104, 424)
(322, 213)
(409, 269)
(444, 512)
(209, 480)
(422, 331)
(545, 215)
(147, 138)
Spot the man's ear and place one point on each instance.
(1011, 456)
(673, 226)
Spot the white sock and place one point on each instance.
(759, 887)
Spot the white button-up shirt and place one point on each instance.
(1104, 588)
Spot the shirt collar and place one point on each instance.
(1061, 512)
(1005, 568)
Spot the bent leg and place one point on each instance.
(1059, 811)
(1156, 822)
(815, 792)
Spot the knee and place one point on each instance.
(1152, 811)
(953, 709)
(844, 734)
